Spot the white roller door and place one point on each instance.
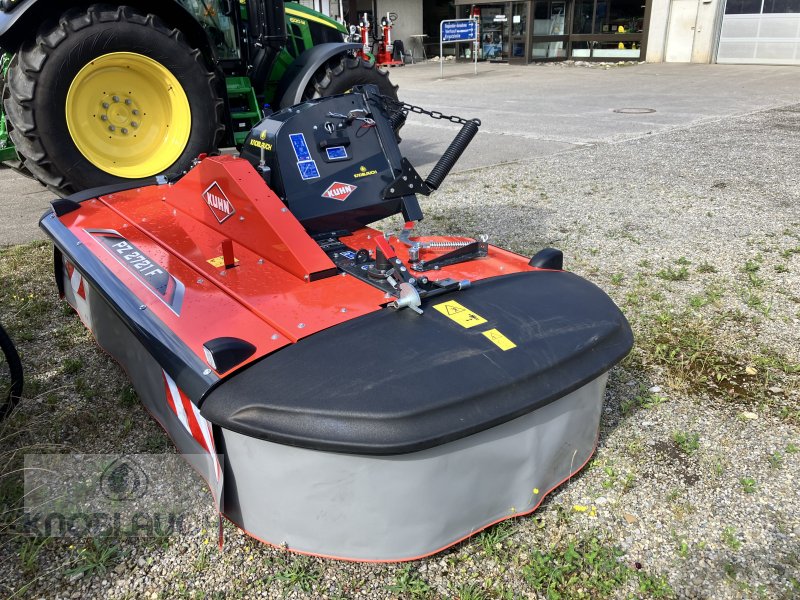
(753, 32)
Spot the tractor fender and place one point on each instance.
(20, 19)
(300, 72)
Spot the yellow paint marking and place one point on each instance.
(219, 262)
(460, 314)
(499, 340)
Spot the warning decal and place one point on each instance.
(499, 340)
(460, 314)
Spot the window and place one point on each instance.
(781, 6)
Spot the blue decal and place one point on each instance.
(364, 267)
(300, 147)
(348, 254)
(308, 169)
(336, 153)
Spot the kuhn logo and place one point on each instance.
(218, 202)
(339, 191)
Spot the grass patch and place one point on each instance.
(408, 583)
(687, 442)
(300, 572)
(688, 350)
(670, 274)
(587, 568)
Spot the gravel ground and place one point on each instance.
(693, 490)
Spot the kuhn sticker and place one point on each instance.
(339, 191)
(218, 202)
(166, 288)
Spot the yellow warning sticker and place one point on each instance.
(499, 340)
(460, 314)
(219, 262)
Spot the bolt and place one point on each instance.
(105, 105)
(112, 128)
(134, 124)
(142, 307)
(136, 112)
(274, 336)
(115, 98)
(301, 325)
(344, 310)
(103, 118)
(128, 101)
(201, 281)
(124, 131)
(207, 372)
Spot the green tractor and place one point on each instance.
(97, 94)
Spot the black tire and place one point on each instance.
(10, 375)
(42, 71)
(342, 73)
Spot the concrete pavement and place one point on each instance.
(527, 112)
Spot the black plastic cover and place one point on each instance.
(393, 382)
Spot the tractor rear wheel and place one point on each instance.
(110, 94)
(341, 74)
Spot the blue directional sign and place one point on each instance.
(459, 30)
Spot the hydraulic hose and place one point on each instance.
(452, 154)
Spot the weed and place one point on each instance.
(730, 570)
(681, 545)
(752, 266)
(469, 591)
(72, 366)
(670, 274)
(706, 268)
(611, 477)
(586, 565)
(491, 539)
(749, 485)
(29, 553)
(627, 483)
(781, 268)
(792, 448)
(674, 494)
(731, 538)
(299, 573)
(683, 261)
(96, 557)
(408, 583)
(128, 395)
(687, 442)
(655, 586)
(775, 460)
(616, 278)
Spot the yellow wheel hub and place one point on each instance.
(128, 115)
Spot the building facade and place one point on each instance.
(697, 31)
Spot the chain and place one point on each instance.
(433, 114)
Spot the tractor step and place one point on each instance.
(242, 96)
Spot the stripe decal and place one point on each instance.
(193, 422)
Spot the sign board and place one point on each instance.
(461, 30)
(458, 30)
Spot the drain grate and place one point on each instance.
(634, 111)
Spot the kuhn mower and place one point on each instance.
(344, 392)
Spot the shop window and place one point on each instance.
(608, 16)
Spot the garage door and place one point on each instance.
(760, 32)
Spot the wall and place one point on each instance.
(702, 39)
(409, 18)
